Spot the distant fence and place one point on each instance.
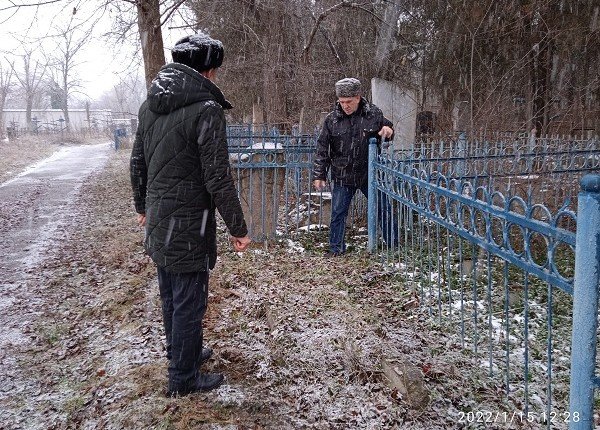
(487, 244)
(51, 122)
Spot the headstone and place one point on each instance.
(402, 375)
(313, 211)
(399, 106)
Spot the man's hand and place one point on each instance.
(319, 184)
(141, 220)
(386, 132)
(240, 243)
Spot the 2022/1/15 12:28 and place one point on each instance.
(544, 417)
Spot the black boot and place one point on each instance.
(204, 382)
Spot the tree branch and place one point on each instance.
(170, 11)
(321, 17)
(17, 6)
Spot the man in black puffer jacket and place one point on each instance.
(343, 148)
(180, 174)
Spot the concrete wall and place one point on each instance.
(48, 119)
(399, 106)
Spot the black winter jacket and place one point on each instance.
(343, 144)
(180, 170)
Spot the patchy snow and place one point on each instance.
(37, 208)
(294, 246)
(299, 337)
(527, 177)
(197, 39)
(256, 149)
(325, 195)
(229, 395)
(312, 227)
(267, 145)
(55, 156)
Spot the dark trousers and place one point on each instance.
(184, 300)
(341, 197)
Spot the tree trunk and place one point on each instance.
(65, 101)
(539, 84)
(88, 117)
(28, 108)
(150, 37)
(67, 120)
(2, 101)
(385, 36)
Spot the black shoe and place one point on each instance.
(206, 354)
(209, 381)
(204, 382)
(331, 254)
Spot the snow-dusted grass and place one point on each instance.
(491, 320)
(300, 337)
(16, 155)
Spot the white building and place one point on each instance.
(53, 119)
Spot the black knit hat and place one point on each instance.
(198, 51)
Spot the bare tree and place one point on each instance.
(63, 62)
(288, 55)
(150, 20)
(126, 97)
(151, 16)
(508, 65)
(29, 79)
(5, 84)
(149, 27)
(505, 65)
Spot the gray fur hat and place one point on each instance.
(348, 87)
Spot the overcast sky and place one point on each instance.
(101, 61)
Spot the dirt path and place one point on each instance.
(36, 213)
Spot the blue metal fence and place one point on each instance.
(490, 241)
(273, 174)
(494, 264)
(585, 306)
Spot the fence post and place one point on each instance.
(372, 198)
(116, 137)
(462, 151)
(585, 305)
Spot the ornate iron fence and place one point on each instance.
(487, 243)
(273, 174)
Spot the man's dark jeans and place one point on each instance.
(184, 300)
(340, 204)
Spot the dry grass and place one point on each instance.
(18, 154)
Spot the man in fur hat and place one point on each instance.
(343, 148)
(180, 173)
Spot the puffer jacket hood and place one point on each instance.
(177, 85)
